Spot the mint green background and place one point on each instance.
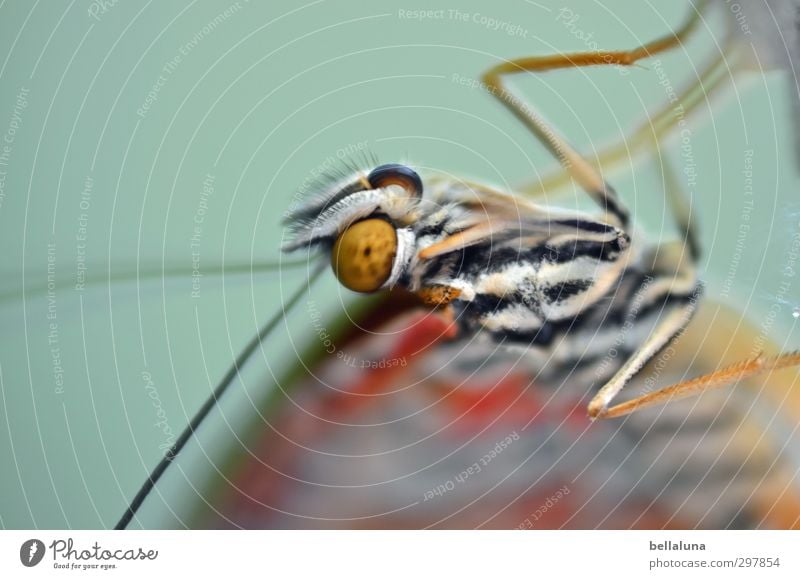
(259, 102)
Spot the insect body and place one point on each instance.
(550, 291)
(524, 275)
(536, 295)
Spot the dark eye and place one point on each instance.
(394, 174)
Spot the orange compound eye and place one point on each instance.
(363, 255)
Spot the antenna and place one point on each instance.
(212, 400)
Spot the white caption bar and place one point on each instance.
(399, 554)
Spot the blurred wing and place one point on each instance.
(404, 428)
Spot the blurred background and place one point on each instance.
(149, 146)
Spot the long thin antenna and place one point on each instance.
(212, 401)
(149, 274)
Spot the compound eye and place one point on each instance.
(394, 174)
(363, 255)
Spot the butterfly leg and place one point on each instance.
(652, 129)
(679, 257)
(723, 377)
(578, 168)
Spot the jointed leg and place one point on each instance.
(668, 328)
(578, 168)
(728, 375)
(680, 258)
(651, 131)
(676, 274)
(681, 212)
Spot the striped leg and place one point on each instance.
(680, 257)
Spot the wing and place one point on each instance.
(411, 430)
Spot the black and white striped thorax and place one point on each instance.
(587, 348)
(520, 272)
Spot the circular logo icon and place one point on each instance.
(31, 552)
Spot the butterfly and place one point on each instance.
(459, 399)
